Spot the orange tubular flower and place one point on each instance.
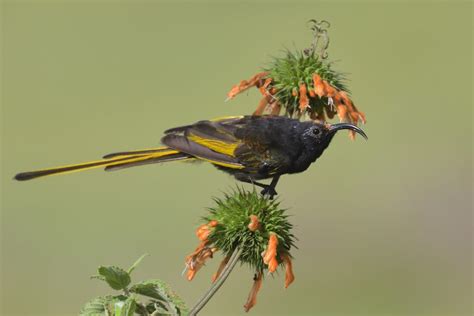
(203, 231)
(197, 259)
(342, 112)
(318, 85)
(263, 89)
(252, 299)
(289, 276)
(254, 223)
(261, 106)
(353, 112)
(269, 256)
(330, 90)
(276, 108)
(304, 102)
(199, 248)
(245, 84)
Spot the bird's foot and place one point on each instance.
(269, 191)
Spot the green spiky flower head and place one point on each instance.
(236, 213)
(292, 71)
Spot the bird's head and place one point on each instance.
(317, 136)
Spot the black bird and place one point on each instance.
(250, 148)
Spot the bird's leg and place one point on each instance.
(267, 190)
(270, 189)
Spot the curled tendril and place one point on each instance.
(320, 41)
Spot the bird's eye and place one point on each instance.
(316, 131)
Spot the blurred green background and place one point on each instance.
(384, 226)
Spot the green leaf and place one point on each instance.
(117, 278)
(96, 307)
(125, 308)
(159, 290)
(150, 289)
(136, 263)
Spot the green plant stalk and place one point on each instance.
(218, 283)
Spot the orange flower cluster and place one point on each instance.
(197, 259)
(338, 102)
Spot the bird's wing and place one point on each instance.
(263, 142)
(239, 142)
(206, 140)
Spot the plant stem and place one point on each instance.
(218, 283)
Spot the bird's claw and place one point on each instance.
(269, 192)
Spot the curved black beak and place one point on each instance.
(337, 127)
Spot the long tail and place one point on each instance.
(112, 162)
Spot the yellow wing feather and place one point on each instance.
(216, 145)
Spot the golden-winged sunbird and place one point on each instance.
(250, 148)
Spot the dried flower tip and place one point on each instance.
(252, 299)
(289, 276)
(219, 270)
(254, 223)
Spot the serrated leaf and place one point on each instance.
(96, 307)
(159, 290)
(150, 289)
(125, 308)
(117, 278)
(136, 263)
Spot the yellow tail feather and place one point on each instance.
(92, 164)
